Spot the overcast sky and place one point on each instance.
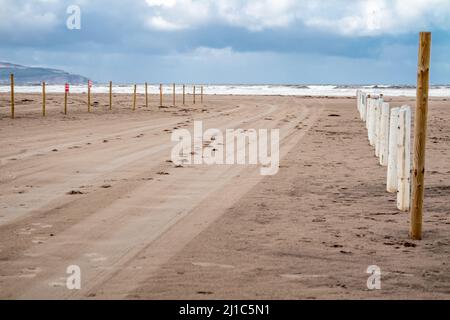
(229, 41)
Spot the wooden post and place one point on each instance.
(372, 126)
(391, 184)
(184, 92)
(420, 134)
(384, 134)
(160, 95)
(201, 94)
(43, 98)
(134, 98)
(110, 95)
(368, 102)
(12, 97)
(65, 100)
(173, 90)
(361, 104)
(358, 101)
(194, 94)
(365, 107)
(146, 95)
(404, 159)
(378, 127)
(89, 97)
(368, 119)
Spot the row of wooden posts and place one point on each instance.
(110, 96)
(389, 131)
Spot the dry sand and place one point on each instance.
(97, 190)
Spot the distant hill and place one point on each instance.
(35, 75)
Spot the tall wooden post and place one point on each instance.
(134, 98)
(392, 183)
(184, 92)
(89, 97)
(146, 95)
(368, 103)
(384, 134)
(160, 95)
(12, 96)
(65, 100)
(110, 95)
(420, 135)
(43, 98)
(194, 94)
(201, 94)
(173, 90)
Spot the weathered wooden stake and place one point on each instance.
(358, 101)
(391, 184)
(160, 95)
(146, 95)
(184, 93)
(201, 95)
(194, 94)
(368, 106)
(363, 107)
(404, 159)
(134, 98)
(12, 97)
(110, 95)
(420, 135)
(368, 119)
(373, 118)
(43, 98)
(173, 94)
(378, 127)
(65, 100)
(89, 97)
(384, 134)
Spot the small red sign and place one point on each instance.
(90, 83)
(67, 87)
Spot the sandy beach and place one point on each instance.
(99, 190)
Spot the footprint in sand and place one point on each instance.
(299, 276)
(210, 264)
(95, 257)
(29, 272)
(25, 231)
(39, 240)
(41, 225)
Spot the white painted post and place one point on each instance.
(363, 107)
(404, 159)
(361, 104)
(378, 126)
(368, 102)
(391, 184)
(373, 123)
(384, 134)
(369, 118)
(358, 100)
